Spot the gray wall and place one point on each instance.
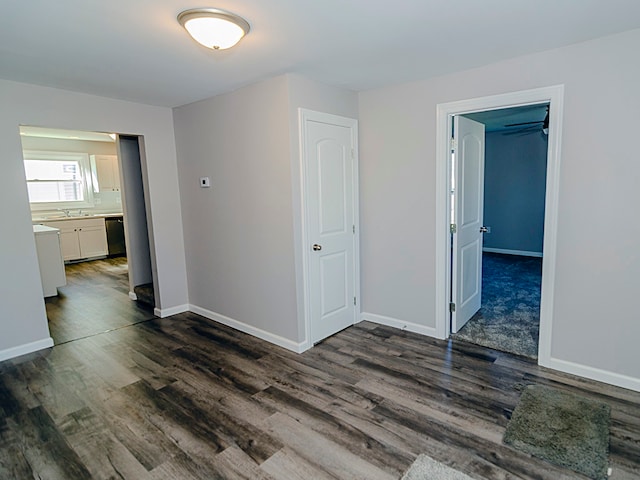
(598, 186)
(514, 189)
(305, 93)
(241, 235)
(22, 313)
(238, 233)
(135, 212)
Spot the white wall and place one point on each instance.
(242, 234)
(595, 322)
(68, 145)
(22, 314)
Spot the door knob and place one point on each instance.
(317, 247)
(484, 229)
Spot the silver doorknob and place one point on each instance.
(484, 229)
(317, 247)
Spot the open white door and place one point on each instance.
(329, 148)
(468, 160)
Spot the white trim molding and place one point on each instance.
(26, 348)
(592, 373)
(167, 312)
(250, 329)
(553, 95)
(400, 324)
(504, 251)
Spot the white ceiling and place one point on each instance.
(136, 50)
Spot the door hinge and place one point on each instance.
(354, 301)
(354, 229)
(453, 143)
(453, 228)
(452, 307)
(353, 153)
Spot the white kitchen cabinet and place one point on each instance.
(82, 238)
(52, 272)
(107, 172)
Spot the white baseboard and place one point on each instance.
(592, 373)
(167, 312)
(504, 251)
(26, 348)
(133, 296)
(251, 330)
(401, 324)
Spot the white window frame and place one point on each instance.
(85, 172)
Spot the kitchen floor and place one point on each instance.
(95, 300)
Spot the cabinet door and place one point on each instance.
(108, 173)
(70, 245)
(116, 173)
(93, 241)
(68, 239)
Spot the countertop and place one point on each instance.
(59, 218)
(44, 229)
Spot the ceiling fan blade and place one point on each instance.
(521, 131)
(523, 123)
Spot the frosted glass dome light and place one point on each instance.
(213, 28)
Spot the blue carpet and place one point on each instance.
(509, 319)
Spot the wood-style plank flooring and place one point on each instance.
(94, 300)
(186, 398)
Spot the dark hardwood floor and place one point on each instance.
(186, 398)
(94, 300)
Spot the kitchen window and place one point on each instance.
(58, 180)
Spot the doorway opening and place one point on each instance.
(511, 238)
(87, 196)
(445, 286)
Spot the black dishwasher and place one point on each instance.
(115, 236)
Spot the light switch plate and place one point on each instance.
(205, 182)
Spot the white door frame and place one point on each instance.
(303, 116)
(554, 95)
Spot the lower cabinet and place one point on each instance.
(85, 238)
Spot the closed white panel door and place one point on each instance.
(329, 162)
(469, 200)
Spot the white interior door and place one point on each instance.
(468, 160)
(329, 157)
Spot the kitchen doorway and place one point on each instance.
(90, 187)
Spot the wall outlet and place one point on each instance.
(205, 182)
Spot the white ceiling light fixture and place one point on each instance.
(213, 28)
